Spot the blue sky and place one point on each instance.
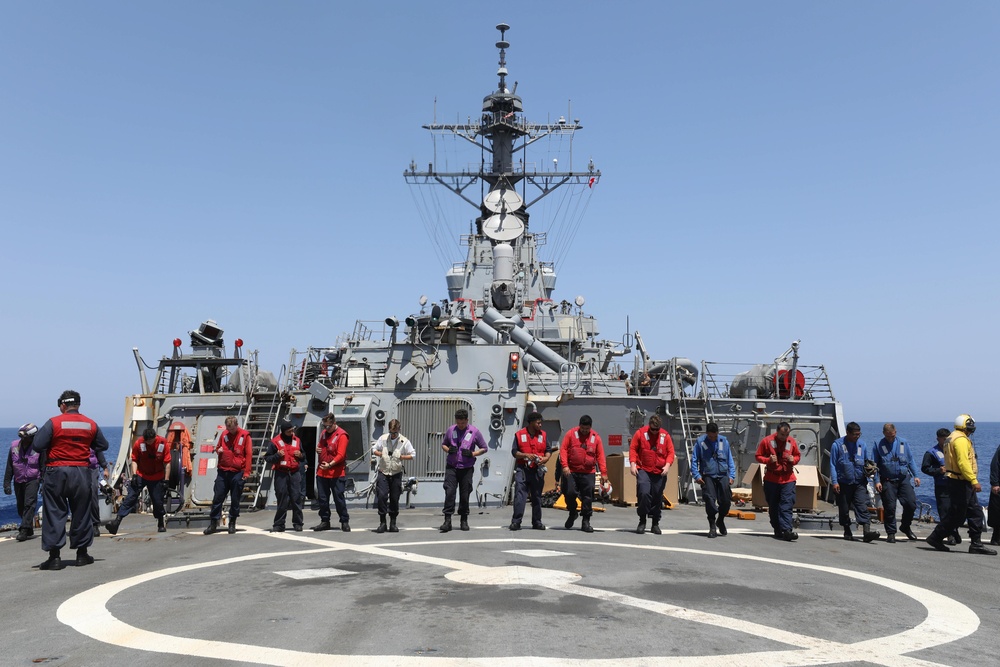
(771, 171)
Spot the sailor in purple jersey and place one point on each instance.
(464, 443)
(25, 471)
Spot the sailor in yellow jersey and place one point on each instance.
(962, 473)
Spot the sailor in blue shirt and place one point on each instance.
(712, 467)
(849, 481)
(933, 466)
(897, 475)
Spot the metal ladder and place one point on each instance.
(684, 412)
(261, 419)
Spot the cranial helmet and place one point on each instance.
(965, 423)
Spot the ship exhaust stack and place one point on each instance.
(531, 345)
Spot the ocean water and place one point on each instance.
(919, 434)
(8, 506)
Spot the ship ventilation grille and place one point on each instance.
(424, 421)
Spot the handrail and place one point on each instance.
(717, 379)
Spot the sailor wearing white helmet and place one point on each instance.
(24, 470)
(962, 472)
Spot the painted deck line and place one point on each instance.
(947, 620)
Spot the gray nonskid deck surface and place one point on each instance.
(497, 597)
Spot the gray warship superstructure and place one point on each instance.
(500, 345)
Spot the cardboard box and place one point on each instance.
(670, 491)
(622, 481)
(806, 486)
(550, 473)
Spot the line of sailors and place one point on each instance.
(581, 455)
(890, 466)
(582, 458)
(70, 449)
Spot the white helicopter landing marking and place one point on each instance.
(947, 620)
(538, 553)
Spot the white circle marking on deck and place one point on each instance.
(947, 619)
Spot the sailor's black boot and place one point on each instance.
(322, 525)
(982, 549)
(113, 525)
(571, 520)
(789, 536)
(995, 540)
(655, 528)
(464, 523)
(53, 563)
(83, 558)
(712, 530)
(586, 527)
(97, 530)
(870, 535)
(910, 535)
(446, 526)
(641, 528)
(936, 542)
(392, 524)
(721, 525)
(22, 535)
(381, 525)
(161, 525)
(848, 535)
(213, 527)
(232, 526)
(345, 527)
(890, 538)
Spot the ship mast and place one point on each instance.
(503, 132)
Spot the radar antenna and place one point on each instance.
(503, 45)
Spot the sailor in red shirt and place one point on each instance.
(150, 470)
(235, 456)
(531, 453)
(651, 454)
(780, 454)
(331, 452)
(580, 454)
(285, 455)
